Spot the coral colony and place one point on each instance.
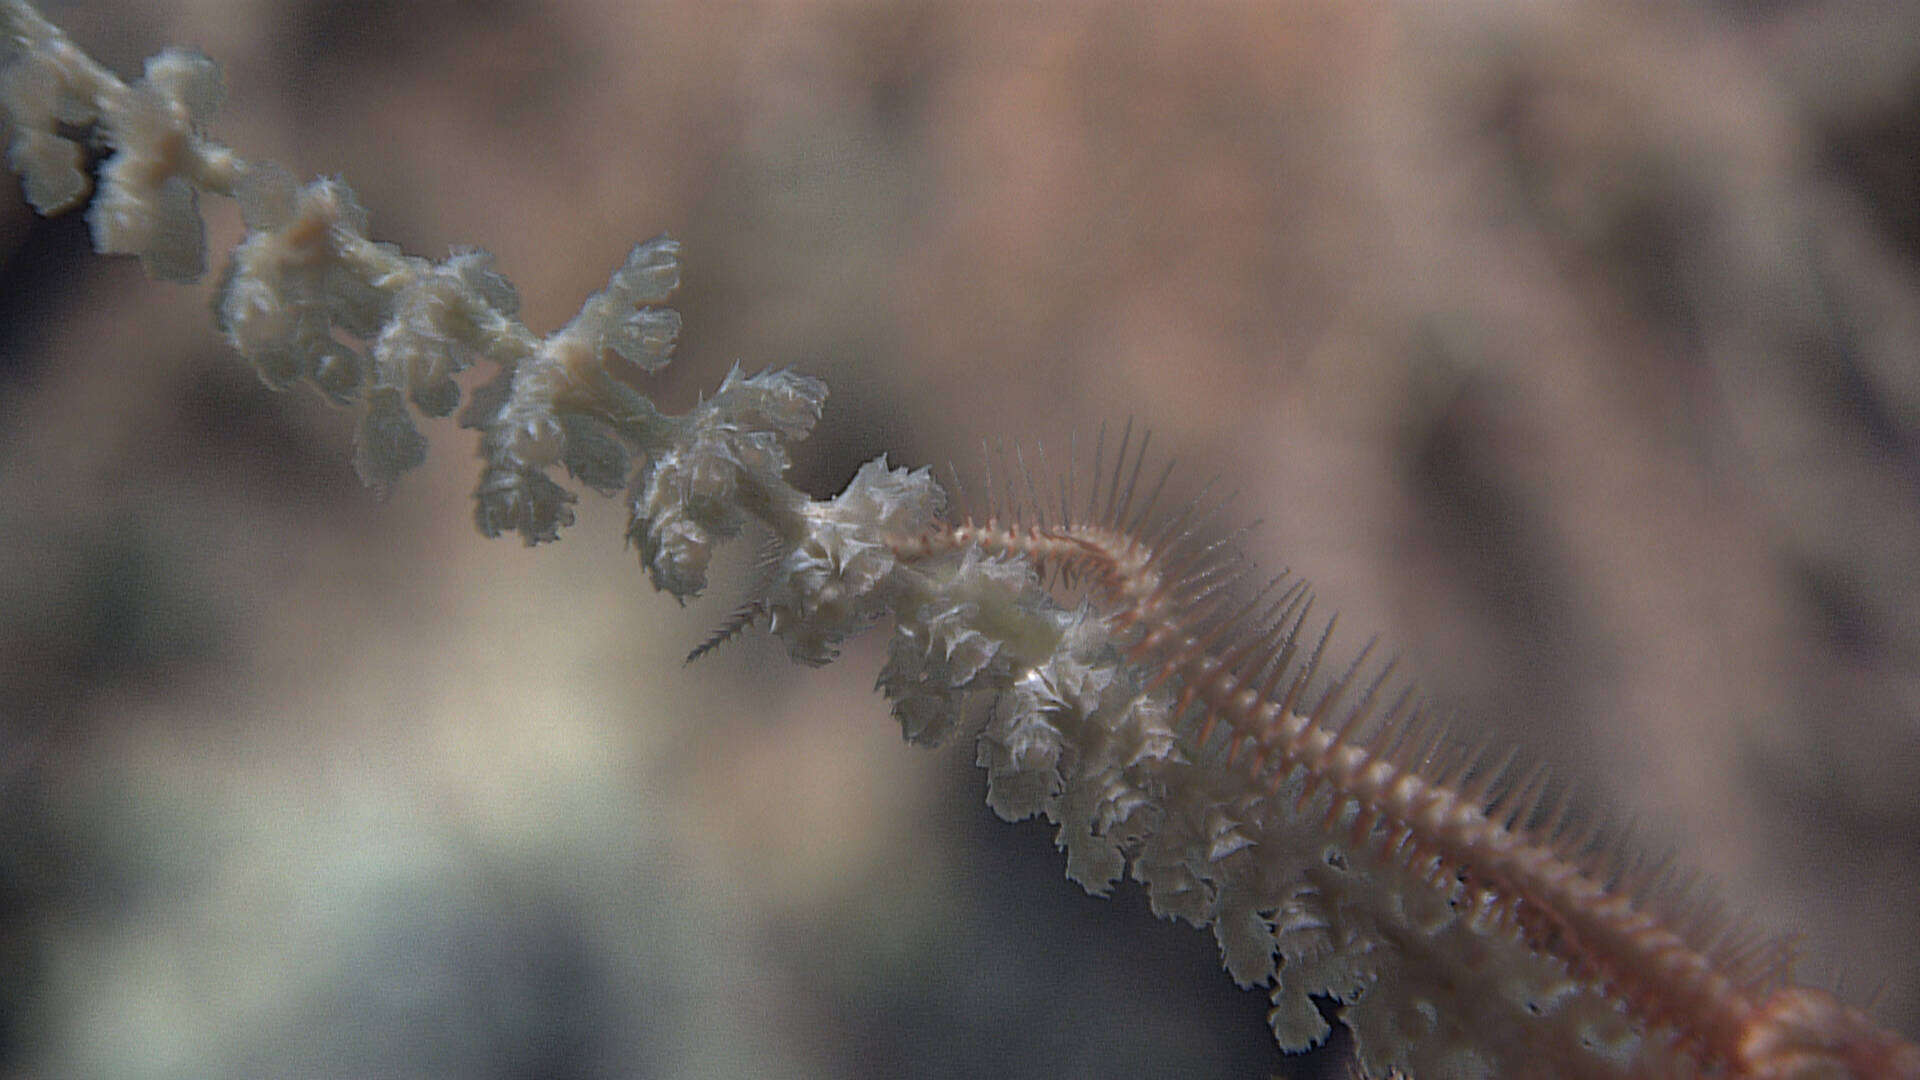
(1123, 673)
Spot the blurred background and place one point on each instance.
(1573, 347)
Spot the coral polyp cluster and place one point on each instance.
(1122, 670)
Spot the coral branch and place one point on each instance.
(1121, 668)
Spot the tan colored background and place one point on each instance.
(1575, 347)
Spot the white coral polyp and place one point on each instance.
(831, 582)
(938, 662)
(148, 201)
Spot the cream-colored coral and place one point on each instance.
(1435, 942)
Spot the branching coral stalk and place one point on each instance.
(1120, 672)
